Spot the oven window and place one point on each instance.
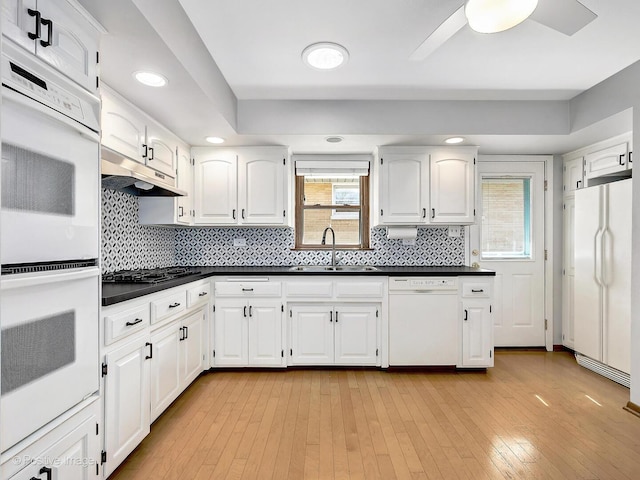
(34, 349)
(36, 183)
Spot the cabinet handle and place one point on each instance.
(247, 289)
(433, 213)
(186, 332)
(233, 214)
(202, 294)
(46, 471)
(336, 316)
(578, 183)
(630, 157)
(250, 311)
(135, 322)
(480, 290)
(146, 150)
(151, 150)
(244, 311)
(331, 316)
(621, 161)
(49, 24)
(466, 315)
(182, 337)
(150, 351)
(37, 34)
(424, 213)
(174, 305)
(180, 211)
(243, 213)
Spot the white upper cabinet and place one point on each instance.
(130, 132)
(404, 178)
(60, 32)
(215, 198)
(451, 189)
(243, 186)
(573, 178)
(426, 185)
(183, 205)
(611, 160)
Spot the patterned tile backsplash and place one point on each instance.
(127, 244)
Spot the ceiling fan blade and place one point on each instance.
(440, 35)
(565, 16)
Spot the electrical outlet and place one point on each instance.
(455, 230)
(408, 241)
(239, 242)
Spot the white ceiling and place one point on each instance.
(227, 53)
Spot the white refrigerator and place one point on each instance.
(603, 273)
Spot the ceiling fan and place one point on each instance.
(565, 16)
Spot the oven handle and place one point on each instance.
(30, 279)
(22, 100)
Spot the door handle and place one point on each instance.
(46, 471)
(424, 213)
(135, 322)
(433, 213)
(479, 290)
(331, 316)
(250, 311)
(174, 305)
(243, 213)
(49, 24)
(182, 337)
(336, 316)
(630, 157)
(180, 211)
(578, 184)
(466, 315)
(35, 13)
(151, 150)
(597, 264)
(244, 311)
(202, 294)
(150, 351)
(186, 332)
(621, 160)
(146, 150)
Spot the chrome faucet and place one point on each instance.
(333, 244)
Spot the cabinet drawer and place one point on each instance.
(359, 289)
(167, 306)
(121, 324)
(476, 290)
(248, 289)
(198, 295)
(309, 289)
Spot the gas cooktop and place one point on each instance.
(148, 275)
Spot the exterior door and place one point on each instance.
(509, 239)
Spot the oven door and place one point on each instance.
(49, 347)
(50, 184)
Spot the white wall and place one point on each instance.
(614, 95)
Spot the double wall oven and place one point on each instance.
(49, 245)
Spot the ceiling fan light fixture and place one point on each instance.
(493, 16)
(325, 56)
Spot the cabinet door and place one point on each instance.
(192, 354)
(162, 150)
(230, 333)
(215, 189)
(185, 182)
(126, 402)
(403, 188)
(609, 160)
(568, 271)
(312, 335)
(261, 181)
(165, 371)
(356, 334)
(452, 187)
(477, 334)
(71, 43)
(17, 23)
(123, 129)
(573, 175)
(265, 333)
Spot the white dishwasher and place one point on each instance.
(423, 321)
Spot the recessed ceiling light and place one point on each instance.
(335, 139)
(150, 79)
(493, 16)
(454, 140)
(325, 55)
(214, 140)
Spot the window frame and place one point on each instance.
(363, 208)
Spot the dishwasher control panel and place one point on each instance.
(400, 284)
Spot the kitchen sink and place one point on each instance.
(337, 268)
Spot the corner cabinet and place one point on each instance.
(426, 185)
(242, 186)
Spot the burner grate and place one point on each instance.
(150, 275)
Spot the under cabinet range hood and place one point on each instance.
(121, 173)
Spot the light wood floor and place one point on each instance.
(535, 415)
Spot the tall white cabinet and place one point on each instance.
(425, 185)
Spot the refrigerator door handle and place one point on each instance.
(607, 256)
(597, 255)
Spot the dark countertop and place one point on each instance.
(115, 293)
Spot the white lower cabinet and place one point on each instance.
(477, 326)
(334, 334)
(69, 450)
(248, 333)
